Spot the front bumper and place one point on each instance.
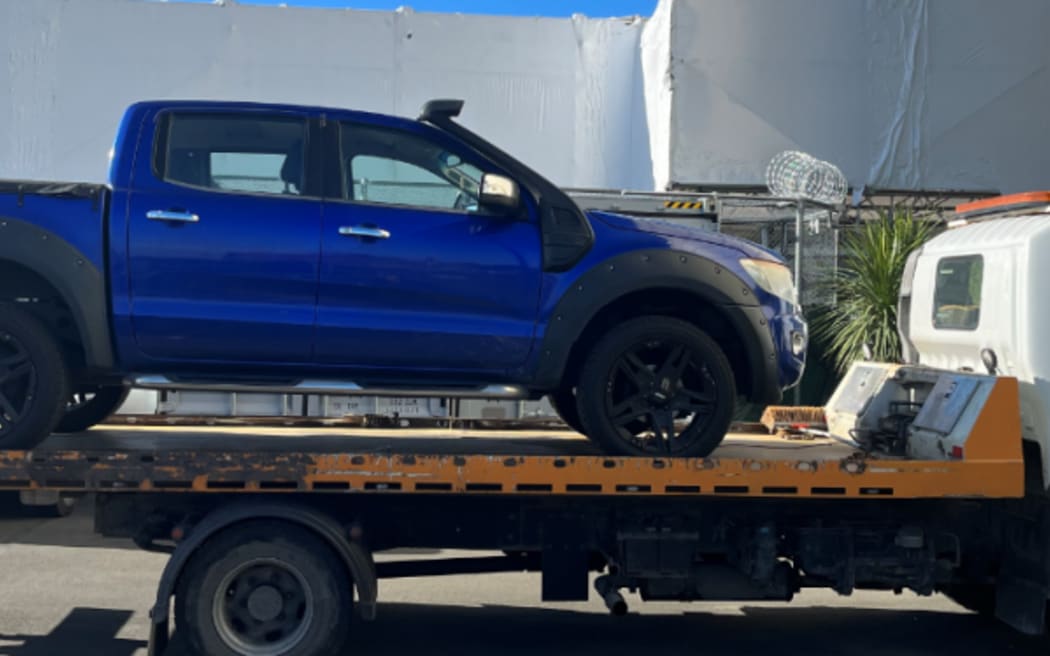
(776, 346)
(791, 340)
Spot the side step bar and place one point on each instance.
(158, 382)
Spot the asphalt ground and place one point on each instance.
(64, 590)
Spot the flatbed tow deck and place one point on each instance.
(263, 524)
(288, 460)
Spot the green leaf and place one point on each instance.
(866, 288)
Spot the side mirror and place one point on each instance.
(990, 361)
(499, 192)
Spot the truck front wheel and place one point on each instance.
(265, 588)
(33, 380)
(656, 386)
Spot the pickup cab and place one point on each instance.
(257, 247)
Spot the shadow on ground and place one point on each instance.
(39, 526)
(413, 629)
(84, 632)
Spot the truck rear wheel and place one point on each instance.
(656, 386)
(33, 380)
(265, 588)
(91, 406)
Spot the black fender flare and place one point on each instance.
(638, 271)
(357, 559)
(79, 282)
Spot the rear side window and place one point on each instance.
(957, 295)
(255, 154)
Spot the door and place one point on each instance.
(224, 240)
(414, 274)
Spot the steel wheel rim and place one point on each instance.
(264, 607)
(18, 381)
(660, 396)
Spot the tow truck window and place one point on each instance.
(243, 154)
(957, 295)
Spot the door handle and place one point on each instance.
(369, 232)
(174, 216)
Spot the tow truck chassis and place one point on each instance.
(762, 518)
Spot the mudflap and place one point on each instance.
(1023, 583)
(1021, 604)
(159, 636)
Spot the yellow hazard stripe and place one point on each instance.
(683, 205)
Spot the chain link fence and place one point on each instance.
(774, 225)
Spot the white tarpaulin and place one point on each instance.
(911, 94)
(565, 95)
(916, 94)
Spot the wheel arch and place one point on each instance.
(671, 283)
(670, 302)
(35, 261)
(354, 556)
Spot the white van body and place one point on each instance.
(986, 285)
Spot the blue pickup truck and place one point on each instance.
(253, 247)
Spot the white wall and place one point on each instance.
(565, 95)
(934, 94)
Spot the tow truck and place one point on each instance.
(928, 475)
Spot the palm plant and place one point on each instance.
(866, 288)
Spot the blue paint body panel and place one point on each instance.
(267, 285)
(446, 291)
(80, 221)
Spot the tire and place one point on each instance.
(34, 382)
(564, 402)
(285, 573)
(81, 415)
(656, 386)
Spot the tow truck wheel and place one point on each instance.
(656, 386)
(265, 588)
(90, 406)
(33, 380)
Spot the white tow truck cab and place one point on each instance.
(975, 299)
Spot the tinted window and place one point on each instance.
(399, 168)
(252, 154)
(957, 296)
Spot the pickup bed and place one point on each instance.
(254, 247)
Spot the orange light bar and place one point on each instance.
(1011, 201)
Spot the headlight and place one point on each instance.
(773, 277)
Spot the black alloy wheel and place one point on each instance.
(33, 380)
(564, 403)
(657, 386)
(18, 381)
